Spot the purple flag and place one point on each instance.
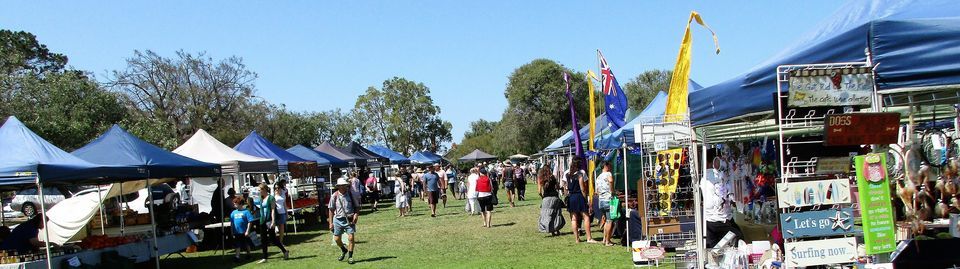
(573, 119)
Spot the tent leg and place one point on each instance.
(626, 198)
(120, 205)
(46, 229)
(223, 235)
(153, 224)
(103, 229)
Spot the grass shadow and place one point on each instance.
(376, 259)
(504, 224)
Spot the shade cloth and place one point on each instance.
(371, 157)
(425, 157)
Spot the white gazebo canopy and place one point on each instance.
(203, 147)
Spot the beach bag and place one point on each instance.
(254, 238)
(614, 208)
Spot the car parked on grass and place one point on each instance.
(27, 201)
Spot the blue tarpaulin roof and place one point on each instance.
(425, 157)
(25, 156)
(321, 158)
(256, 145)
(653, 112)
(118, 147)
(913, 43)
(395, 157)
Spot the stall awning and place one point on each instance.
(341, 154)
(913, 44)
(118, 147)
(395, 157)
(24, 155)
(256, 145)
(321, 158)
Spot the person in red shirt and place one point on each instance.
(485, 196)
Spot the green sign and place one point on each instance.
(873, 183)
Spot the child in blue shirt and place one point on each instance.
(242, 224)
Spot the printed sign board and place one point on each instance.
(817, 223)
(808, 193)
(820, 252)
(831, 87)
(861, 129)
(879, 233)
(833, 165)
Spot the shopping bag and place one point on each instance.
(614, 208)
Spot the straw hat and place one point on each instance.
(342, 182)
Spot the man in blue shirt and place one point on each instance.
(431, 182)
(24, 238)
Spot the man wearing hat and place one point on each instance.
(344, 218)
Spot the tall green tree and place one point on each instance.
(189, 92)
(537, 110)
(64, 106)
(336, 127)
(402, 115)
(645, 86)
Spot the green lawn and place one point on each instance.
(451, 240)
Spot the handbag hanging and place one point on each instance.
(614, 208)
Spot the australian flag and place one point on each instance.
(614, 99)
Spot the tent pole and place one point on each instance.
(626, 194)
(120, 206)
(46, 228)
(153, 223)
(698, 216)
(223, 235)
(103, 230)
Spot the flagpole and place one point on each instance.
(591, 164)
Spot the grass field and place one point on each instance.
(451, 240)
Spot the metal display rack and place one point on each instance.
(674, 225)
(792, 124)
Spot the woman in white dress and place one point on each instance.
(472, 206)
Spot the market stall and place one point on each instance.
(31, 161)
(822, 101)
(165, 218)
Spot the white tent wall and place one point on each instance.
(69, 218)
(202, 190)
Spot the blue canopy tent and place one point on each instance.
(321, 158)
(256, 145)
(29, 159)
(913, 45)
(424, 157)
(560, 142)
(395, 157)
(117, 146)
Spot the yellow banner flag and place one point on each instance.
(591, 165)
(677, 96)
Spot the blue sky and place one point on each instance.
(315, 56)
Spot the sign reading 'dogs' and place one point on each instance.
(808, 193)
(831, 87)
(861, 129)
(820, 252)
(816, 223)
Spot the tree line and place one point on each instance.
(538, 111)
(164, 100)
